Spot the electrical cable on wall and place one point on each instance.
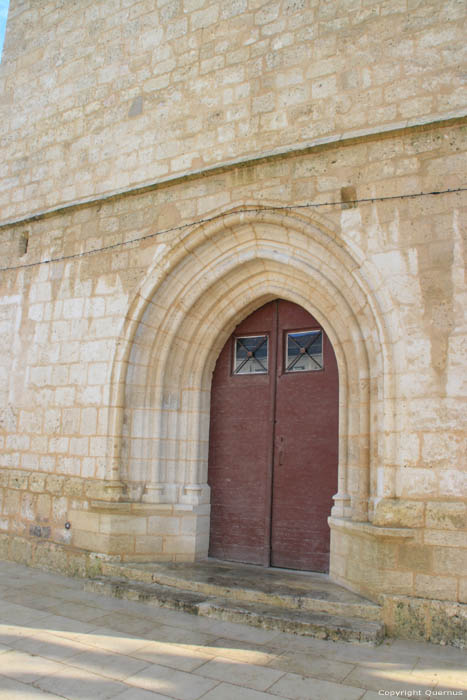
(198, 222)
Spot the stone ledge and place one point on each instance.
(146, 509)
(452, 118)
(362, 529)
(130, 508)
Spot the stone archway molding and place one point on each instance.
(193, 296)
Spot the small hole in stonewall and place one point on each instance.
(348, 197)
(23, 244)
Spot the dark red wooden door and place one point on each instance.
(273, 441)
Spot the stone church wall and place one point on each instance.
(162, 182)
(99, 96)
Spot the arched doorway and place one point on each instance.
(273, 447)
(178, 322)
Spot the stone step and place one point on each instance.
(303, 603)
(319, 625)
(150, 593)
(302, 622)
(252, 584)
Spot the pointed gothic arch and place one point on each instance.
(191, 300)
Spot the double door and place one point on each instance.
(273, 441)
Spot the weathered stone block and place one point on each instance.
(445, 538)
(37, 482)
(463, 589)
(416, 557)
(122, 524)
(20, 550)
(450, 561)
(55, 483)
(84, 520)
(197, 525)
(405, 617)
(73, 487)
(11, 503)
(373, 582)
(93, 566)
(451, 516)
(42, 531)
(148, 544)
(373, 553)
(448, 624)
(440, 587)
(18, 480)
(91, 541)
(28, 506)
(123, 545)
(399, 513)
(59, 509)
(97, 489)
(48, 555)
(180, 545)
(160, 525)
(76, 564)
(4, 545)
(43, 508)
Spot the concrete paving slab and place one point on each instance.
(226, 691)
(312, 665)
(77, 611)
(10, 613)
(15, 690)
(246, 652)
(247, 675)
(105, 663)
(62, 625)
(175, 684)
(182, 657)
(111, 640)
(297, 687)
(26, 668)
(401, 680)
(167, 655)
(77, 684)
(126, 623)
(48, 646)
(140, 694)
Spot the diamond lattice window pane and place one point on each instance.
(251, 355)
(304, 351)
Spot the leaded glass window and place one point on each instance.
(304, 351)
(251, 355)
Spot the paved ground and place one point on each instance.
(57, 641)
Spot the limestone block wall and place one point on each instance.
(95, 97)
(98, 354)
